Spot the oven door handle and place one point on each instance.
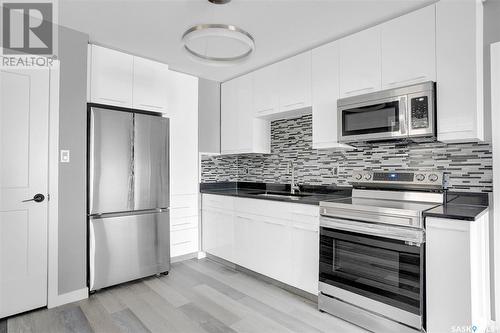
(409, 235)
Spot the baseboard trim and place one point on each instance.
(73, 296)
(184, 257)
(279, 284)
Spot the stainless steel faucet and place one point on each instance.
(294, 188)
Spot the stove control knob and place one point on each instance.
(368, 176)
(420, 177)
(358, 176)
(433, 177)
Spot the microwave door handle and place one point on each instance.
(403, 115)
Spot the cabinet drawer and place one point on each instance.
(181, 223)
(218, 201)
(268, 208)
(183, 242)
(183, 206)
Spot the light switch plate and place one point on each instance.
(64, 156)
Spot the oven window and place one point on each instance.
(379, 118)
(385, 270)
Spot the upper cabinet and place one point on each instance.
(121, 79)
(360, 64)
(111, 76)
(294, 76)
(325, 92)
(241, 131)
(459, 54)
(150, 85)
(408, 45)
(266, 98)
(283, 90)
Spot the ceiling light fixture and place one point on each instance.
(218, 43)
(219, 2)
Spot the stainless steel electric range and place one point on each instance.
(372, 253)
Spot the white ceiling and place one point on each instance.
(281, 28)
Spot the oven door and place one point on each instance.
(374, 120)
(379, 274)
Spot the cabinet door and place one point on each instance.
(409, 48)
(225, 235)
(325, 93)
(229, 117)
(244, 245)
(295, 82)
(273, 248)
(111, 78)
(209, 230)
(460, 71)
(305, 256)
(245, 114)
(360, 63)
(183, 112)
(266, 99)
(150, 85)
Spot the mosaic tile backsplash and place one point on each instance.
(469, 165)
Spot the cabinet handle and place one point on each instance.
(304, 214)
(180, 207)
(301, 227)
(244, 218)
(112, 100)
(265, 111)
(151, 106)
(180, 243)
(408, 80)
(273, 223)
(358, 90)
(293, 104)
(178, 224)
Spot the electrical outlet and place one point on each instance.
(335, 171)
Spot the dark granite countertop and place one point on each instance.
(461, 206)
(309, 194)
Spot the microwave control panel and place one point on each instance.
(419, 112)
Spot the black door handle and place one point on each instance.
(36, 198)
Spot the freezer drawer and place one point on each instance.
(127, 247)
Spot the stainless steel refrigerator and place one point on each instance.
(128, 206)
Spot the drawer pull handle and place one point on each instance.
(180, 243)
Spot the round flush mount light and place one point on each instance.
(219, 2)
(218, 43)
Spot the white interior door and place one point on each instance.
(24, 107)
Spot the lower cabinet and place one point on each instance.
(276, 239)
(457, 274)
(183, 224)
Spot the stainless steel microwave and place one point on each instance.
(400, 113)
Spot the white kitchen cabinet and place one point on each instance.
(111, 76)
(241, 132)
(325, 93)
(182, 108)
(408, 46)
(218, 232)
(305, 248)
(360, 63)
(459, 63)
(266, 94)
(276, 239)
(294, 82)
(457, 274)
(121, 79)
(150, 85)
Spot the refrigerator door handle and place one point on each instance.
(128, 213)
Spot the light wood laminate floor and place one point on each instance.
(197, 296)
